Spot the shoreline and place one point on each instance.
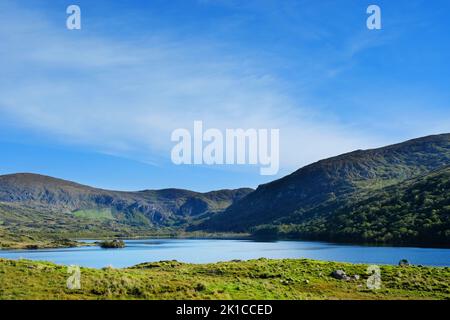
(71, 242)
(352, 256)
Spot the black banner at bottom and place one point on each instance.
(251, 309)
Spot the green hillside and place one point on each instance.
(416, 211)
(318, 200)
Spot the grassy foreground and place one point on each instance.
(255, 279)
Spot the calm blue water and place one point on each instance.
(204, 251)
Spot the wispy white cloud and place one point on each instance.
(127, 96)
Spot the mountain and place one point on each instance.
(416, 211)
(168, 207)
(395, 194)
(315, 194)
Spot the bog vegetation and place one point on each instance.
(255, 279)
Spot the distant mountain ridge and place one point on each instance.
(158, 207)
(316, 191)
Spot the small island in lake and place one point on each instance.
(114, 244)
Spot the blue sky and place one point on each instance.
(98, 105)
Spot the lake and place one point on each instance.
(214, 250)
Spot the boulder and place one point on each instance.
(340, 275)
